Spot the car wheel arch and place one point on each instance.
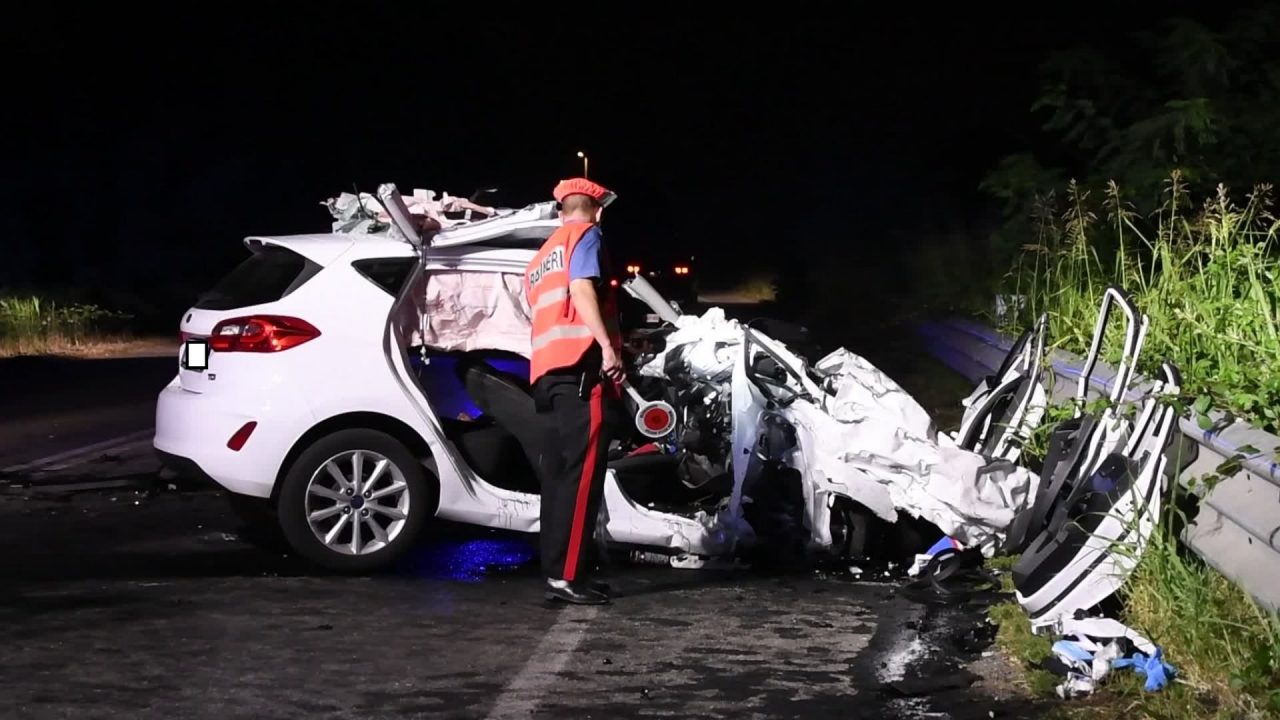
(398, 429)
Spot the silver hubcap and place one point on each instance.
(357, 502)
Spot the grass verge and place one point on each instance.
(35, 326)
(1225, 648)
(1208, 279)
(755, 288)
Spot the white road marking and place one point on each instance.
(526, 690)
(70, 457)
(113, 450)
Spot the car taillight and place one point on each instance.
(682, 270)
(261, 333)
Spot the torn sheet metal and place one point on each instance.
(1095, 509)
(364, 213)
(1004, 410)
(861, 435)
(425, 202)
(627, 522)
(358, 214)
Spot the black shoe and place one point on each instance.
(576, 595)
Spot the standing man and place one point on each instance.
(574, 370)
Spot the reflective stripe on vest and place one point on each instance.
(550, 298)
(560, 332)
(559, 335)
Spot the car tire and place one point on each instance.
(293, 507)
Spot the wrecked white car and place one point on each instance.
(838, 433)
(360, 382)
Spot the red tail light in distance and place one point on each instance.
(261, 334)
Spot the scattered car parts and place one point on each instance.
(1101, 488)
(1101, 520)
(1006, 407)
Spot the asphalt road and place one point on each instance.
(146, 600)
(56, 404)
(128, 596)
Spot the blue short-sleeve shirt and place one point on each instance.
(589, 259)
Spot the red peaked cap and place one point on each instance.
(583, 186)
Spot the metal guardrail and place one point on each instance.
(1237, 527)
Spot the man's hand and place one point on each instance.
(611, 366)
(583, 294)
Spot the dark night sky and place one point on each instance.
(145, 153)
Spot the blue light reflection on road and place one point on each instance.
(470, 560)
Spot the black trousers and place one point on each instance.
(573, 469)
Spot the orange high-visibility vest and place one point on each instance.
(560, 336)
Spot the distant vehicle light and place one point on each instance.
(682, 270)
(633, 268)
(613, 283)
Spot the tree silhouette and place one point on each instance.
(1202, 101)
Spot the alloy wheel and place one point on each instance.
(357, 502)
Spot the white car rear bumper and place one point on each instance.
(196, 427)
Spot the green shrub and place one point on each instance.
(1207, 277)
(31, 324)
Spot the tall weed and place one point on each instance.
(1207, 277)
(33, 325)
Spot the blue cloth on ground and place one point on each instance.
(1073, 651)
(1157, 671)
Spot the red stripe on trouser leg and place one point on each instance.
(584, 484)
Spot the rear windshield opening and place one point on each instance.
(266, 276)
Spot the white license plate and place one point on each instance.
(195, 355)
